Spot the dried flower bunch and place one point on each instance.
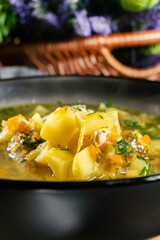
(52, 20)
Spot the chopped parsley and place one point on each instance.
(23, 160)
(78, 108)
(131, 124)
(9, 139)
(150, 129)
(144, 172)
(109, 103)
(123, 148)
(59, 102)
(64, 149)
(147, 162)
(90, 113)
(28, 141)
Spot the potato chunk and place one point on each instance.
(36, 122)
(59, 127)
(100, 120)
(136, 168)
(85, 166)
(59, 161)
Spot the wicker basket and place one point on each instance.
(87, 56)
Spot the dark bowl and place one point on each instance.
(115, 209)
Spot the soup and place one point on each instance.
(53, 142)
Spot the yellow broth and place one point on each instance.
(145, 123)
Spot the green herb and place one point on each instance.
(78, 108)
(136, 136)
(144, 172)
(9, 139)
(142, 158)
(110, 178)
(157, 119)
(131, 124)
(59, 102)
(28, 142)
(128, 165)
(38, 141)
(23, 160)
(123, 148)
(147, 163)
(90, 113)
(64, 149)
(8, 19)
(153, 130)
(109, 103)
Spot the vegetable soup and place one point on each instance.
(54, 142)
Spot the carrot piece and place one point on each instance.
(87, 137)
(117, 158)
(109, 137)
(12, 123)
(146, 139)
(22, 127)
(35, 136)
(24, 152)
(3, 172)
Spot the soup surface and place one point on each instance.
(53, 142)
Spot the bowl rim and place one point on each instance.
(72, 77)
(51, 185)
(69, 185)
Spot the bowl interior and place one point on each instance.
(134, 94)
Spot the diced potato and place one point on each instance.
(73, 144)
(34, 153)
(81, 125)
(132, 173)
(102, 107)
(36, 121)
(5, 135)
(59, 161)
(81, 110)
(41, 110)
(136, 167)
(40, 158)
(59, 127)
(100, 120)
(84, 164)
(140, 139)
(12, 125)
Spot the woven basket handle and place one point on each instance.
(131, 40)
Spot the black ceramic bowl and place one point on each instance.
(120, 209)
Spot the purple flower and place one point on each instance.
(22, 8)
(100, 25)
(64, 10)
(82, 25)
(52, 19)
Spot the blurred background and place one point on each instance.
(49, 21)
